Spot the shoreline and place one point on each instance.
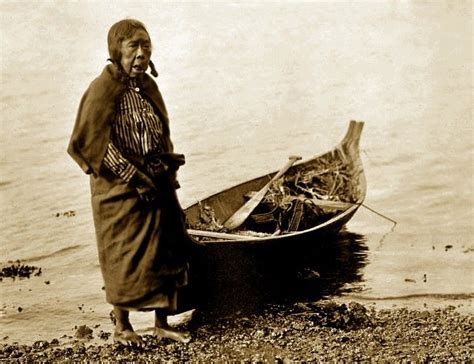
(323, 331)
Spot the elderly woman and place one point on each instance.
(122, 139)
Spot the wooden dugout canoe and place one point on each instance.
(339, 211)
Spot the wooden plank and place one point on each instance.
(340, 205)
(217, 235)
(332, 204)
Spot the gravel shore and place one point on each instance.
(324, 331)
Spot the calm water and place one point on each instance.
(247, 85)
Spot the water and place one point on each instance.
(246, 85)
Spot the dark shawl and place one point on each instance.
(91, 133)
(142, 247)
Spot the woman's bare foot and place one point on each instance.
(173, 334)
(124, 333)
(128, 338)
(163, 330)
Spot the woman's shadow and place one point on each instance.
(226, 279)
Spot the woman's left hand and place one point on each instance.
(173, 160)
(144, 186)
(147, 194)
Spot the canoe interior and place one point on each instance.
(226, 202)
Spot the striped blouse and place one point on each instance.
(136, 131)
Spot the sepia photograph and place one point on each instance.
(236, 181)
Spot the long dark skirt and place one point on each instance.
(142, 247)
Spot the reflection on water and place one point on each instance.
(244, 278)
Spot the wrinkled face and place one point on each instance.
(136, 53)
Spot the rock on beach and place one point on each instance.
(324, 331)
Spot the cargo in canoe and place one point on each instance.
(312, 199)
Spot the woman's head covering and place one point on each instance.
(120, 31)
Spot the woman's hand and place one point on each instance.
(173, 160)
(141, 180)
(145, 186)
(147, 194)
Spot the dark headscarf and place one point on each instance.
(120, 31)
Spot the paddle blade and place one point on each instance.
(244, 212)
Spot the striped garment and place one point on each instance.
(136, 131)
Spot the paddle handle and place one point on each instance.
(243, 212)
(291, 160)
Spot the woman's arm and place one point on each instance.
(123, 168)
(118, 164)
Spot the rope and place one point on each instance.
(385, 217)
(379, 214)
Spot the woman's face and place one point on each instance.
(136, 53)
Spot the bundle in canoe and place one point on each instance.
(310, 199)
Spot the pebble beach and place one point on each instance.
(323, 332)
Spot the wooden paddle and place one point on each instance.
(243, 213)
